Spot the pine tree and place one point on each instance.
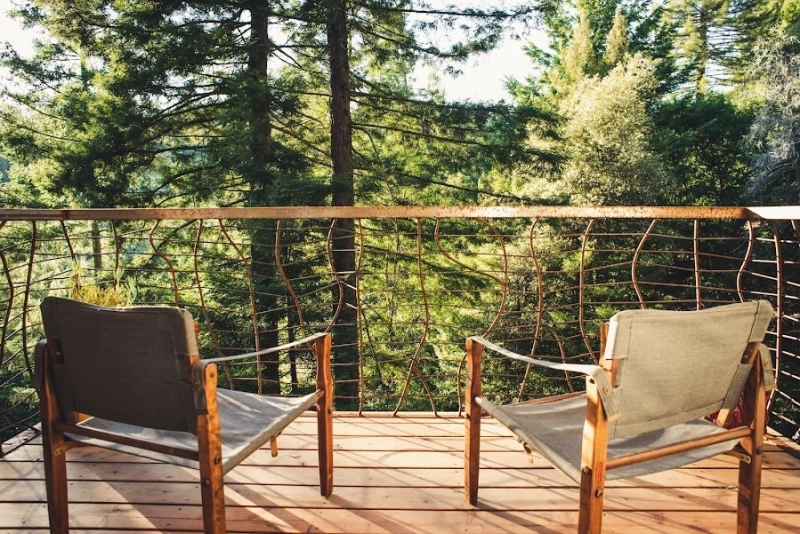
(249, 103)
(617, 42)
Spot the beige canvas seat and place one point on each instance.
(643, 409)
(137, 375)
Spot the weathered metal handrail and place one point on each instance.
(379, 212)
(537, 278)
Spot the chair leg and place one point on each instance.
(325, 438)
(472, 422)
(472, 455)
(55, 474)
(54, 449)
(749, 495)
(325, 415)
(212, 492)
(209, 445)
(590, 512)
(593, 459)
(753, 412)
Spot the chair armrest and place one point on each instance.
(298, 342)
(199, 367)
(608, 394)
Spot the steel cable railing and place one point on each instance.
(538, 280)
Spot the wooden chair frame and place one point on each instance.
(55, 424)
(594, 459)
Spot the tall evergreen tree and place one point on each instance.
(707, 39)
(618, 43)
(228, 103)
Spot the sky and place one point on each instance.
(10, 30)
(483, 77)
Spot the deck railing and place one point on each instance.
(401, 288)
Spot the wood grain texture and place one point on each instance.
(393, 475)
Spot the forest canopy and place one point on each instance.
(274, 103)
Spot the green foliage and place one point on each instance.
(775, 135)
(612, 165)
(230, 104)
(618, 43)
(701, 138)
(4, 167)
(117, 294)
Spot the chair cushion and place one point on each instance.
(247, 422)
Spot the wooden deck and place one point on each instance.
(397, 475)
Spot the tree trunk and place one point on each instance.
(97, 246)
(345, 333)
(260, 179)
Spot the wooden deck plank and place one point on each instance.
(417, 477)
(405, 498)
(396, 457)
(91, 518)
(395, 475)
(289, 442)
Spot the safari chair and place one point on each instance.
(131, 379)
(643, 409)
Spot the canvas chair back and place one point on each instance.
(673, 367)
(129, 365)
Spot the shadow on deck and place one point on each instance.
(396, 475)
